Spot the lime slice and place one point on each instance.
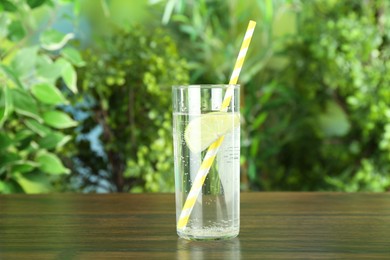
(202, 131)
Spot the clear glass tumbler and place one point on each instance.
(212, 210)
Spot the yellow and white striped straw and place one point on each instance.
(214, 147)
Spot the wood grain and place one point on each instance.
(142, 226)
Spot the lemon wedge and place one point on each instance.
(202, 131)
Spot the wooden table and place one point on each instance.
(142, 226)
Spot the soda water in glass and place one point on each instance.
(197, 122)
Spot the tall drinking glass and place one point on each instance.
(197, 123)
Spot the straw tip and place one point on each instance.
(251, 25)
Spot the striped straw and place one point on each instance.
(214, 147)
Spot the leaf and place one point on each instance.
(4, 187)
(23, 139)
(33, 183)
(23, 64)
(11, 75)
(6, 105)
(168, 11)
(37, 127)
(252, 174)
(5, 141)
(105, 8)
(53, 40)
(54, 140)
(58, 119)
(8, 6)
(24, 166)
(70, 77)
(35, 3)
(68, 73)
(48, 94)
(8, 158)
(4, 21)
(23, 135)
(17, 31)
(47, 70)
(72, 55)
(334, 121)
(269, 11)
(10, 186)
(254, 147)
(24, 104)
(259, 120)
(2, 115)
(51, 164)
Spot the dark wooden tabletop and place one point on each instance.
(142, 226)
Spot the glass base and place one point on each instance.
(206, 235)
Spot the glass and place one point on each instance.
(198, 122)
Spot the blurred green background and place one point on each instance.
(85, 91)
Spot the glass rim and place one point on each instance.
(206, 86)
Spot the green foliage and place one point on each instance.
(128, 77)
(30, 98)
(315, 97)
(327, 118)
